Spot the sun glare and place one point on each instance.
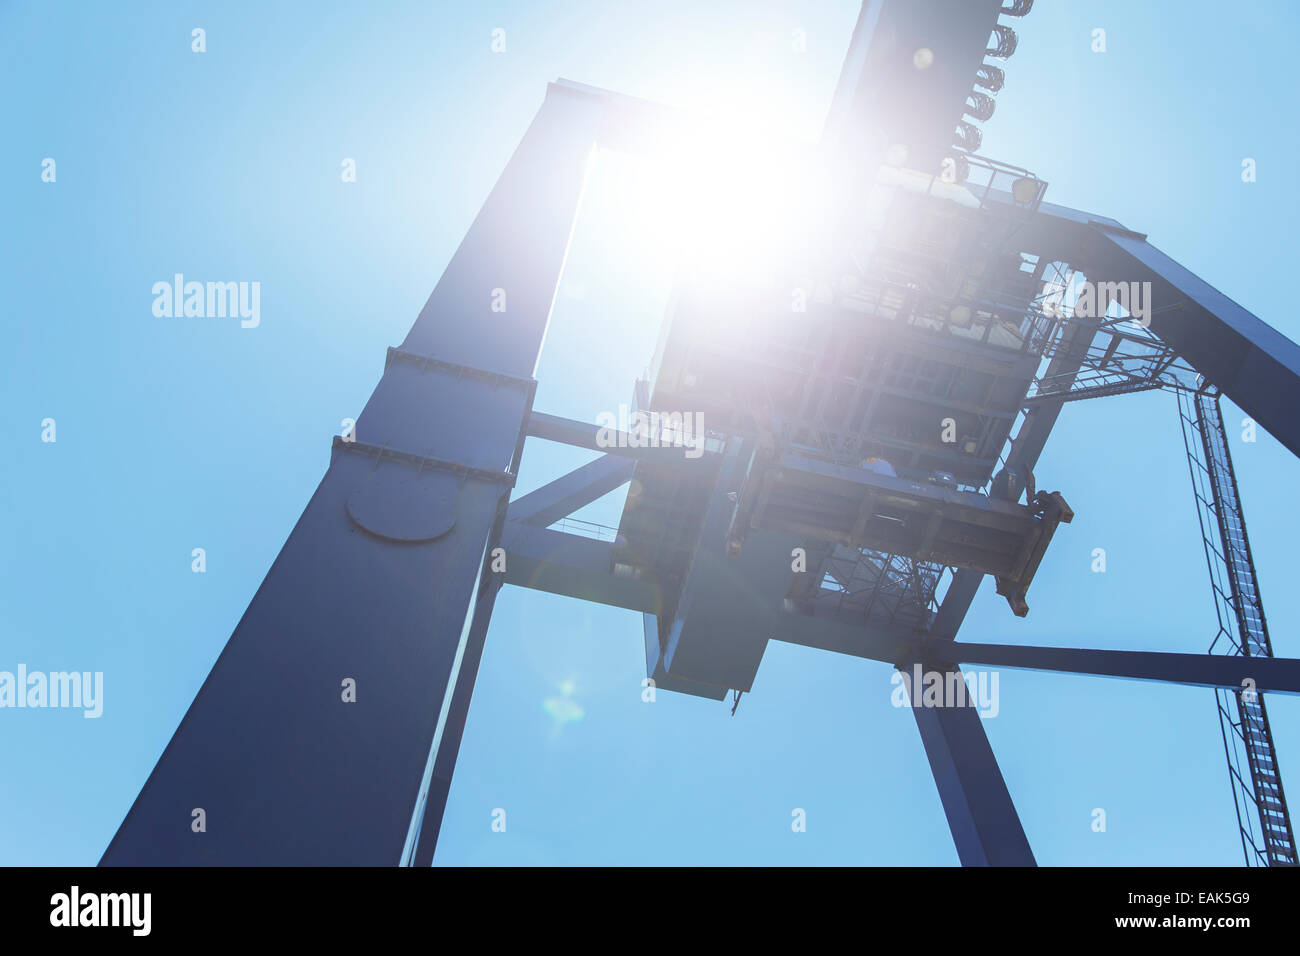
(718, 199)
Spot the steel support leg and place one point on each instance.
(310, 739)
(433, 800)
(985, 826)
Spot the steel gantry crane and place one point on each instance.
(886, 442)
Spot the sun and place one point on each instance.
(721, 199)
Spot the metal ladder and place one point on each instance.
(1243, 719)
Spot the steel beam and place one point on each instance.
(426, 824)
(1249, 361)
(1276, 674)
(378, 583)
(985, 826)
(575, 566)
(1245, 358)
(926, 96)
(567, 431)
(565, 495)
(956, 602)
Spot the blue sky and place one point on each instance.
(173, 435)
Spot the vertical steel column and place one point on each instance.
(377, 584)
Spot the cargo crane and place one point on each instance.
(861, 471)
